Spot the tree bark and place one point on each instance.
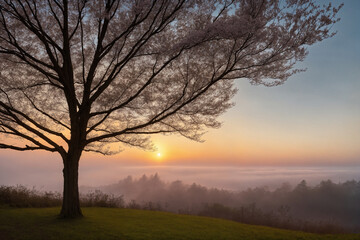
(71, 202)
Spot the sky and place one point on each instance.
(311, 120)
(314, 118)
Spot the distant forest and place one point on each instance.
(327, 207)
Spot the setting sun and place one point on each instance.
(158, 154)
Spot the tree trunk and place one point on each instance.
(71, 202)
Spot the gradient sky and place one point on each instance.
(313, 119)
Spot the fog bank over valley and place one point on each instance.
(325, 207)
(316, 199)
(47, 174)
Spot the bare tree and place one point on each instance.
(88, 75)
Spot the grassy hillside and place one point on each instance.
(112, 223)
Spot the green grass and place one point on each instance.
(112, 223)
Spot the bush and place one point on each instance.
(100, 199)
(20, 196)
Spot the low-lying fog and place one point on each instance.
(327, 201)
(327, 207)
(47, 175)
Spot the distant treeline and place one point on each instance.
(327, 207)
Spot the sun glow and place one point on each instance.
(158, 157)
(161, 152)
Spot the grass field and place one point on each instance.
(112, 223)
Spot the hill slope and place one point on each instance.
(110, 223)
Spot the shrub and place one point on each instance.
(20, 196)
(100, 199)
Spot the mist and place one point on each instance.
(273, 195)
(325, 207)
(46, 173)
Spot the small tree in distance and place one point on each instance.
(88, 75)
